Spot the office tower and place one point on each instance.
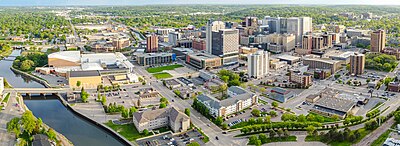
(152, 43)
(210, 28)
(298, 26)
(378, 41)
(250, 22)
(225, 44)
(258, 64)
(173, 38)
(357, 63)
(327, 40)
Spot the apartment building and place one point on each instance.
(258, 64)
(357, 64)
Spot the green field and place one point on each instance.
(128, 131)
(162, 75)
(162, 68)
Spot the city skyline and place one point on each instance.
(161, 2)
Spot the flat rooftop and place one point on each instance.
(288, 57)
(172, 82)
(322, 60)
(202, 56)
(84, 73)
(336, 104)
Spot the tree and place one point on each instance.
(78, 83)
(84, 95)
(163, 105)
(273, 113)
(280, 132)
(274, 104)
(187, 111)
(145, 132)
(224, 126)
(164, 100)
(22, 142)
(218, 121)
(258, 143)
(51, 134)
(132, 110)
(14, 126)
(267, 119)
(256, 112)
(27, 65)
(253, 139)
(272, 134)
(288, 117)
(263, 138)
(310, 129)
(28, 122)
(103, 100)
(286, 133)
(301, 118)
(125, 113)
(397, 116)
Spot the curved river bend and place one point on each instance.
(79, 131)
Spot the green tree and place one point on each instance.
(224, 126)
(14, 126)
(218, 121)
(193, 144)
(132, 110)
(103, 100)
(187, 111)
(272, 134)
(78, 83)
(163, 105)
(274, 104)
(145, 132)
(253, 139)
(22, 142)
(273, 113)
(256, 112)
(280, 132)
(263, 138)
(310, 129)
(51, 134)
(27, 65)
(397, 116)
(125, 113)
(28, 122)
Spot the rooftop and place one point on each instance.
(155, 54)
(288, 57)
(149, 115)
(322, 60)
(84, 73)
(74, 56)
(235, 94)
(336, 104)
(202, 56)
(172, 82)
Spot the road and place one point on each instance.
(367, 140)
(11, 111)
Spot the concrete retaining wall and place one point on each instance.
(43, 82)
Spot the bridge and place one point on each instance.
(42, 91)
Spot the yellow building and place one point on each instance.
(88, 79)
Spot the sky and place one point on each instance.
(151, 2)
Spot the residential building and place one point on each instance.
(393, 51)
(225, 44)
(203, 60)
(152, 43)
(238, 99)
(199, 44)
(165, 117)
(307, 45)
(258, 64)
(155, 58)
(391, 142)
(378, 41)
(210, 28)
(301, 79)
(121, 43)
(280, 94)
(357, 64)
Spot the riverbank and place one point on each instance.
(36, 79)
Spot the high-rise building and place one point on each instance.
(120, 43)
(210, 28)
(298, 26)
(225, 44)
(378, 41)
(152, 43)
(258, 64)
(250, 22)
(173, 38)
(307, 42)
(317, 43)
(285, 41)
(327, 38)
(357, 64)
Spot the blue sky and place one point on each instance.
(147, 2)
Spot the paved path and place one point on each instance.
(95, 111)
(11, 111)
(295, 144)
(367, 140)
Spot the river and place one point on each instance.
(79, 131)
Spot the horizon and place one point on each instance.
(8, 3)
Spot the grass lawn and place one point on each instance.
(362, 131)
(162, 68)
(5, 100)
(162, 129)
(128, 131)
(262, 101)
(162, 75)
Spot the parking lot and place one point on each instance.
(176, 140)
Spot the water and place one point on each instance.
(81, 133)
(55, 114)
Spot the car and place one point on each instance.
(208, 125)
(3, 108)
(216, 137)
(224, 132)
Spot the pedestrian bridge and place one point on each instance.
(39, 90)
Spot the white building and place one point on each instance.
(258, 64)
(173, 38)
(210, 27)
(298, 26)
(238, 99)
